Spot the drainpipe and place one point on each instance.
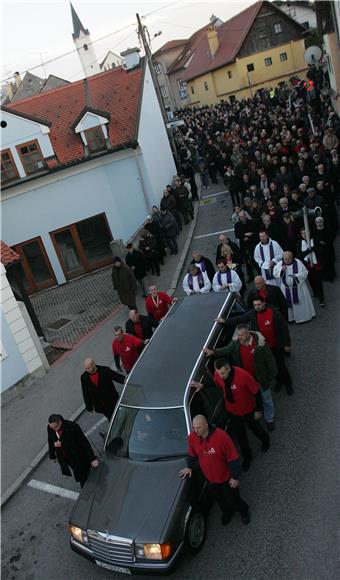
(142, 182)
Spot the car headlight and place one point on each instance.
(78, 534)
(153, 551)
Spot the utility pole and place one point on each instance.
(142, 30)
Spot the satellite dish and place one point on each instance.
(312, 55)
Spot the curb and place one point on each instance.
(12, 489)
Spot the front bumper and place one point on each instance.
(150, 567)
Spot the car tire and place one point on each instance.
(195, 531)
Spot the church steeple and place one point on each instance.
(77, 25)
(82, 40)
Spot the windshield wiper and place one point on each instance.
(166, 457)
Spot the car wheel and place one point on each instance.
(195, 532)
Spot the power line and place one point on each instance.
(90, 43)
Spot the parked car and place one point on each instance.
(135, 514)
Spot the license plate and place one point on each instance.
(113, 568)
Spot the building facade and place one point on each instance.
(82, 175)
(328, 18)
(260, 47)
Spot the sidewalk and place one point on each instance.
(24, 418)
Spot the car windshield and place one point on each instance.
(148, 434)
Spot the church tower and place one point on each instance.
(82, 40)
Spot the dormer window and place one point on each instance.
(31, 157)
(95, 139)
(92, 126)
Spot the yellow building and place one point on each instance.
(260, 47)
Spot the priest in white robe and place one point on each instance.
(267, 254)
(196, 281)
(292, 275)
(226, 279)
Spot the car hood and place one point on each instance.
(129, 499)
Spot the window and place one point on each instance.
(192, 89)
(95, 139)
(283, 56)
(250, 67)
(85, 47)
(306, 25)
(31, 157)
(292, 12)
(164, 92)
(206, 87)
(8, 167)
(230, 74)
(268, 61)
(277, 28)
(157, 68)
(35, 270)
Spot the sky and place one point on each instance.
(33, 32)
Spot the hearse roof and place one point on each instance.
(161, 375)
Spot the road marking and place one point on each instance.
(207, 201)
(95, 426)
(213, 234)
(213, 194)
(54, 489)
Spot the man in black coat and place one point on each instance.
(271, 294)
(246, 231)
(204, 264)
(98, 388)
(139, 325)
(135, 260)
(68, 445)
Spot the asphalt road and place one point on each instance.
(293, 490)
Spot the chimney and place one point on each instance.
(17, 79)
(213, 40)
(131, 58)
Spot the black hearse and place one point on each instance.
(135, 514)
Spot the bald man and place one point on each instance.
(99, 392)
(219, 461)
(271, 294)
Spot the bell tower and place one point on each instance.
(82, 40)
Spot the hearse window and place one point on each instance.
(148, 434)
(209, 402)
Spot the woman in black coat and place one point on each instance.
(68, 445)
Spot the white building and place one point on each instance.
(302, 12)
(81, 165)
(111, 61)
(21, 354)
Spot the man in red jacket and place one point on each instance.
(240, 390)
(157, 303)
(220, 464)
(126, 349)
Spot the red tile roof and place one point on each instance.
(115, 91)
(7, 255)
(188, 50)
(231, 36)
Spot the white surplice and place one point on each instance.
(195, 285)
(304, 309)
(264, 264)
(234, 286)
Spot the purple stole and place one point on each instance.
(202, 266)
(200, 280)
(219, 277)
(269, 275)
(294, 288)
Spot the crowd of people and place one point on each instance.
(278, 157)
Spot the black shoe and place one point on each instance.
(245, 519)
(290, 390)
(265, 445)
(226, 518)
(271, 426)
(246, 465)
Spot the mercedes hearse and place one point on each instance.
(135, 514)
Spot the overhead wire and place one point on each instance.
(92, 42)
